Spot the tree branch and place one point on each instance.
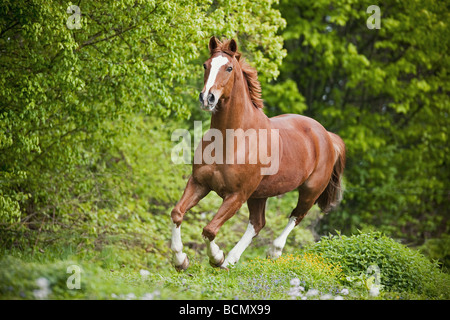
(91, 41)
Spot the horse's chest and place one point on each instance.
(209, 176)
(224, 179)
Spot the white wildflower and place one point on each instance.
(344, 291)
(43, 283)
(312, 292)
(151, 296)
(147, 296)
(294, 292)
(374, 291)
(144, 273)
(44, 289)
(338, 298)
(41, 294)
(295, 282)
(130, 296)
(326, 297)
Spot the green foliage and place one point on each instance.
(385, 92)
(95, 282)
(438, 249)
(329, 269)
(68, 97)
(401, 268)
(313, 271)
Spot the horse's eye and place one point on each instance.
(229, 69)
(204, 66)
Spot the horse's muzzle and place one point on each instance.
(210, 102)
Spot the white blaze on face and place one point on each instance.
(216, 63)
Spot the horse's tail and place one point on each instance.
(332, 194)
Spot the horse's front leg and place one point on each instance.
(192, 194)
(229, 207)
(256, 208)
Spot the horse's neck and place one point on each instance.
(231, 115)
(238, 111)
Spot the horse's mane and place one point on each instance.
(250, 73)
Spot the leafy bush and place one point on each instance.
(401, 268)
(65, 96)
(320, 271)
(314, 271)
(439, 249)
(49, 280)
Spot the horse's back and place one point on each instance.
(298, 127)
(296, 122)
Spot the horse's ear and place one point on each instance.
(233, 46)
(212, 44)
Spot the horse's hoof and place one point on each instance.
(224, 268)
(183, 266)
(273, 254)
(219, 264)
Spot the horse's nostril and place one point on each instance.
(201, 97)
(211, 98)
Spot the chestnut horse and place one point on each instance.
(310, 159)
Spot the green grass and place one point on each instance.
(200, 281)
(318, 271)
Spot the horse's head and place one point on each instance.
(219, 73)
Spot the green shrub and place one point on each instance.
(438, 249)
(20, 279)
(312, 270)
(401, 268)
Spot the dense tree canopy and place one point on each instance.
(66, 89)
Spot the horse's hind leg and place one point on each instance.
(306, 200)
(193, 193)
(256, 208)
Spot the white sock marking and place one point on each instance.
(239, 248)
(177, 246)
(213, 251)
(278, 243)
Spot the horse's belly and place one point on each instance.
(281, 183)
